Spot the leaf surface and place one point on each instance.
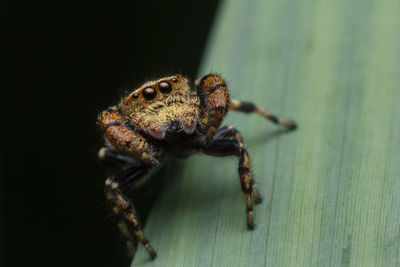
(331, 188)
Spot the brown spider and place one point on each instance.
(166, 117)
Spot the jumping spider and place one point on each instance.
(166, 117)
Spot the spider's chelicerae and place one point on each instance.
(166, 117)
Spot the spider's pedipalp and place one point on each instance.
(125, 139)
(214, 103)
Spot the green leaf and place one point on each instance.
(331, 188)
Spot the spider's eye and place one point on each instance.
(135, 95)
(175, 80)
(149, 93)
(165, 87)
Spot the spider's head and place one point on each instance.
(153, 94)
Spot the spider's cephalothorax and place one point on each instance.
(166, 117)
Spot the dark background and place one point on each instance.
(63, 63)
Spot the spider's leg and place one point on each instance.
(123, 225)
(133, 147)
(229, 131)
(250, 107)
(125, 139)
(123, 208)
(118, 160)
(226, 147)
(114, 158)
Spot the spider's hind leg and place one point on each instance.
(248, 107)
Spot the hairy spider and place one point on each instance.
(166, 117)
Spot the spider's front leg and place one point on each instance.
(124, 209)
(132, 156)
(113, 125)
(223, 146)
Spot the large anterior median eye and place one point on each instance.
(165, 87)
(149, 93)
